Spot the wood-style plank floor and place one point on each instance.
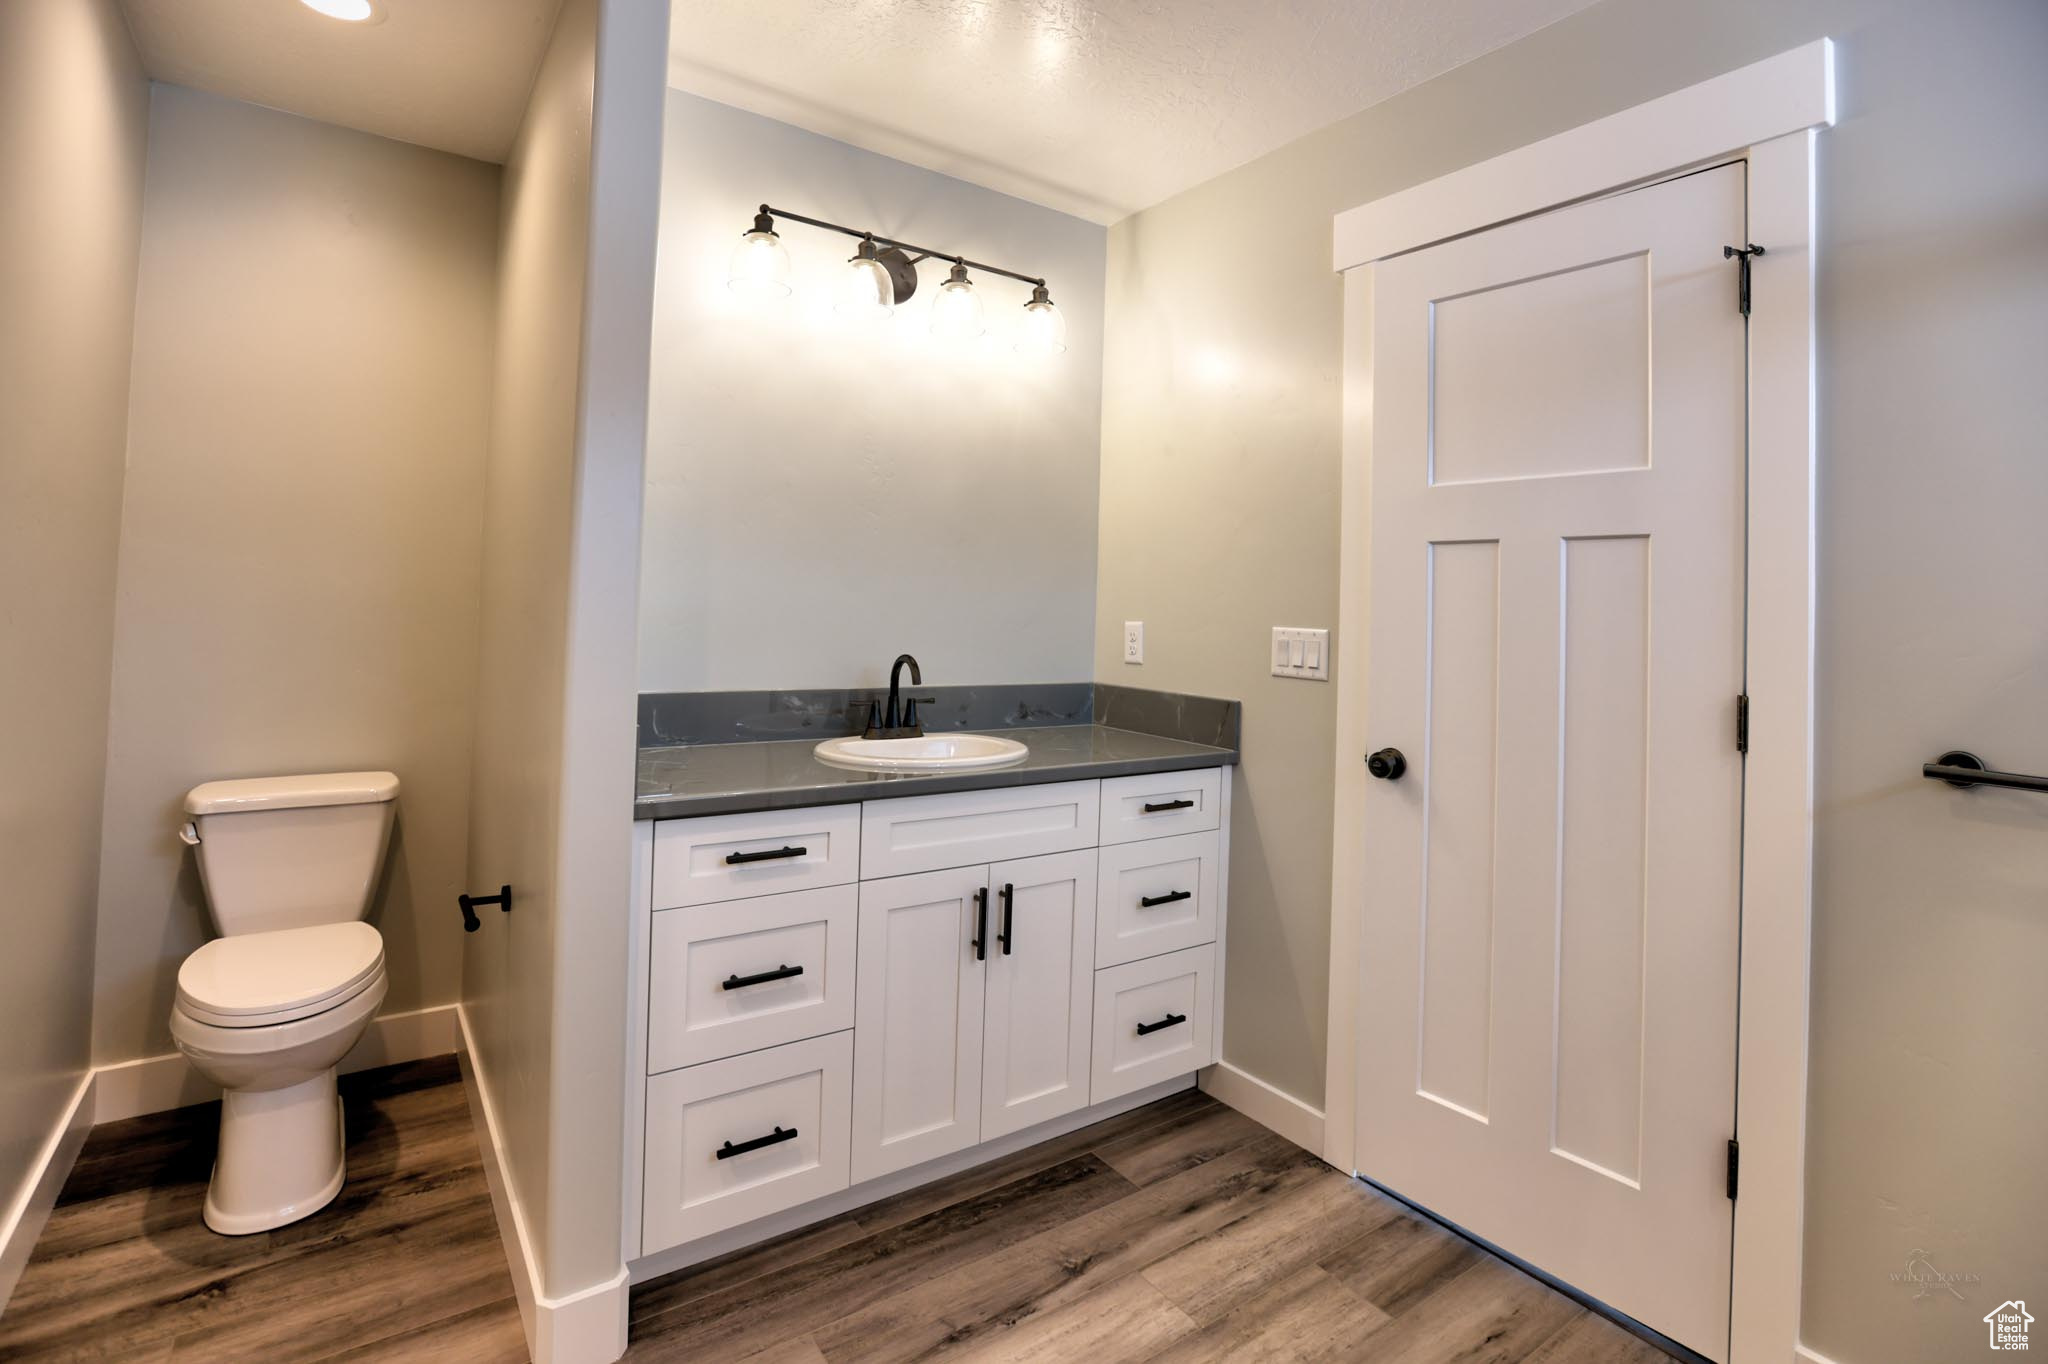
(1182, 1231)
(1179, 1232)
(405, 1264)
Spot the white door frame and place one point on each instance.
(1767, 114)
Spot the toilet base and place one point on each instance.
(281, 1156)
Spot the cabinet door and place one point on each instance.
(917, 1018)
(1040, 974)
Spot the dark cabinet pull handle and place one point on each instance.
(981, 924)
(1147, 901)
(775, 1138)
(740, 859)
(1009, 903)
(1166, 1022)
(470, 923)
(1154, 807)
(738, 982)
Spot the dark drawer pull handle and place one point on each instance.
(779, 973)
(765, 855)
(1147, 901)
(980, 940)
(1009, 903)
(1154, 807)
(1167, 1022)
(775, 1138)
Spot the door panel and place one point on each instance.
(918, 1020)
(1556, 583)
(1036, 1028)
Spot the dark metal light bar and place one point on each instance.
(921, 251)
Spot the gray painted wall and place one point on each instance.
(820, 497)
(298, 582)
(1931, 909)
(73, 118)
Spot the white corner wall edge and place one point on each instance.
(584, 1327)
(1788, 93)
(156, 1084)
(24, 1222)
(1802, 1355)
(1270, 1107)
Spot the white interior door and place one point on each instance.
(1547, 1044)
(1041, 967)
(918, 1018)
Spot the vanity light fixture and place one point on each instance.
(760, 263)
(349, 11)
(868, 291)
(1045, 331)
(882, 273)
(956, 312)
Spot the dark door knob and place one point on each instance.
(1387, 764)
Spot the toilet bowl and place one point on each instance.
(267, 1016)
(268, 1009)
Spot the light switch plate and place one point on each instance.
(1301, 653)
(1134, 641)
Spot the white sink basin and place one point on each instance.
(930, 753)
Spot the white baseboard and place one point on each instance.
(1802, 1355)
(1299, 1122)
(156, 1084)
(24, 1221)
(584, 1327)
(874, 1190)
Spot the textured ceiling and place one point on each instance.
(450, 74)
(1094, 107)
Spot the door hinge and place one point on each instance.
(1742, 723)
(1741, 255)
(1734, 1164)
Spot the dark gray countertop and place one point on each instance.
(727, 778)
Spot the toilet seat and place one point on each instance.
(255, 980)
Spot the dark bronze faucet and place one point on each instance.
(900, 721)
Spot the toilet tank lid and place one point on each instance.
(289, 793)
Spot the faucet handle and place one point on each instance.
(910, 705)
(874, 722)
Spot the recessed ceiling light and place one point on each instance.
(354, 11)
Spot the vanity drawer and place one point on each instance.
(1159, 804)
(731, 857)
(1154, 1019)
(708, 1167)
(748, 974)
(1178, 876)
(931, 833)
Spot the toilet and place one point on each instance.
(269, 1008)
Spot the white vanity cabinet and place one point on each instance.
(974, 1018)
(833, 997)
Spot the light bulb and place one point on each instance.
(956, 312)
(866, 293)
(1044, 331)
(352, 11)
(760, 264)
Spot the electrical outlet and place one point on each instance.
(1301, 653)
(1134, 641)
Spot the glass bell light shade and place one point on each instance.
(760, 264)
(956, 312)
(1044, 331)
(866, 293)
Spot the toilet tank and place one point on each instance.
(290, 852)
